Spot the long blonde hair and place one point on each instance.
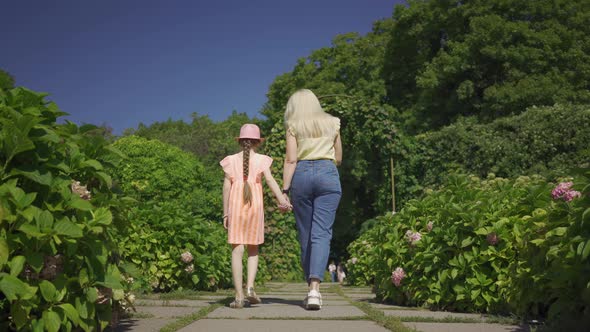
(305, 118)
(247, 144)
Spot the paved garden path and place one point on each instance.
(345, 309)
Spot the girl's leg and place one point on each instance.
(236, 268)
(252, 269)
(252, 265)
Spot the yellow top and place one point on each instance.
(315, 148)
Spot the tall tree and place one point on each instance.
(486, 57)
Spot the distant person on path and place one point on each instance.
(332, 270)
(243, 211)
(310, 176)
(341, 273)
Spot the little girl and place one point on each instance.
(243, 210)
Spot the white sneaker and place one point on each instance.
(313, 301)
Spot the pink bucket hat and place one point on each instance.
(250, 131)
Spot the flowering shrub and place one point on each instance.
(58, 261)
(498, 246)
(397, 276)
(564, 191)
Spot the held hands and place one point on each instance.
(285, 204)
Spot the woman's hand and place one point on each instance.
(285, 204)
(225, 221)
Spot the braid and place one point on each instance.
(246, 146)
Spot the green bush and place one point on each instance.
(160, 233)
(495, 245)
(178, 210)
(58, 261)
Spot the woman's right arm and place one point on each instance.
(290, 160)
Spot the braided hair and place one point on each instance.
(246, 145)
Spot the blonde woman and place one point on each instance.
(311, 178)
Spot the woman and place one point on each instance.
(310, 176)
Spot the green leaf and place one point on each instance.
(3, 252)
(38, 325)
(82, 307)
(80, 204)
(47, 290)
(118, 294)
(585, 215)
(105, 178)
(35, 260)
(83, 277)
(91, 294)
(35, 175)
(102, 216)
(65, 227)
(558, 231)
(91, 163)
(51, 320)
(45, 220)
(16, 265)
(467, 241)
(70, 312)
(13, 288)
(195, 279)
(586, 251)
(20, 315)
(15, 141)
(111, 281)
(22, 200)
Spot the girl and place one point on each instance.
(243, 211)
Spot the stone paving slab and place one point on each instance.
(174, 303)
(466, 327)
(292, 311)
(382, 306)
(431, 314)
(283, 301)
(300, 296)
(167, 312)
(143, 324)
(218, 325)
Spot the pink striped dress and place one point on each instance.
(246, 221)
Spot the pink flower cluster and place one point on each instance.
(563, 190)
(429, 226)
(413, 237)
(492, 238)
(80, 190)
(397, 276)
(186, 257)
(354, 260)
(190, 268)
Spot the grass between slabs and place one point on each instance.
(389, 322)
(188, 319)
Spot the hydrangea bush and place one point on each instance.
(495, 245)
(59, 268)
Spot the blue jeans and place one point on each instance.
(315, 194)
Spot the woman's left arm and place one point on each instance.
(338, 149)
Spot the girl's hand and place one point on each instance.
(225, 221)
(284, 204)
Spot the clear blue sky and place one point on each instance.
(128, 61)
